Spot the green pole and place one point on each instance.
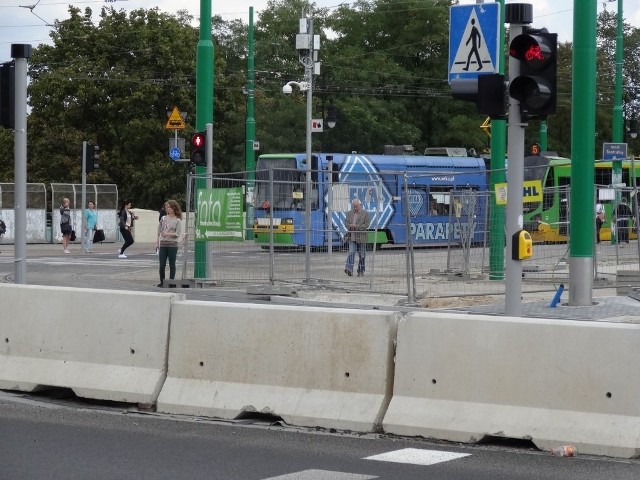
(204, 114)
(542, 137)
(583, 123)
(250, 132)
(617, 131)
(498, 149)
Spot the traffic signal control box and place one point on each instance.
(521, 245)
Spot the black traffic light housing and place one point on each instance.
(487, 91)
(199, 148)
(536, 85)
(92, 157)
(7, 95)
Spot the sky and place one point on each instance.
(20, 24)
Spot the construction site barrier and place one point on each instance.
(321, 367)
(556, 382)
(102, 344)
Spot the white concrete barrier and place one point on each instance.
(556, 382)
(310, 366)
(102, 344)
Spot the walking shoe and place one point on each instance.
(360, 274)
(67, 251)
(348, 272)
(159, 285)
(122, 255)
(119, 252)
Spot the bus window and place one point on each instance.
(439, 200)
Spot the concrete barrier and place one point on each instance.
(556, 382)
(310, 366)
(102, 344)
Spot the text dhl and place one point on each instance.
(531, 192)
(439, 230)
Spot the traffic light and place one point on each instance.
(487, 91)
(198, 148)
(92, 156)
(7, 95)
(536, 85)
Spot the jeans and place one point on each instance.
(165, 253)
(88, 238)
(128, 239)
(354, 247)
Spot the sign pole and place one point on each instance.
(515, 177)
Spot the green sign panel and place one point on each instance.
(219, 214)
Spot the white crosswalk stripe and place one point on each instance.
(321, 475)
(417, 456)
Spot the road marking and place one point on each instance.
(416, 456)
(321, 475)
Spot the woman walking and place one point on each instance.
(90, 221)
(169, 231)
(125, 222)
(65, 224)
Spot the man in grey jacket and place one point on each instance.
(357, 222)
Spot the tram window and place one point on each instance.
(548, 190)
(417, 198)
(439, 198)
(603, 176)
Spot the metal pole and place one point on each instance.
(583, 121)
(250, 154)
(20, 52)
(205, 99)
(617, 130)
(497, 175)
(209, 183)
(407, 247)
(271, 245)
(309, 79)
(636, 220)
(515, 178)
(329, 204)
(186, 222)
(83, 195)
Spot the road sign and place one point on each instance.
(174, 153)
(614, 151)
(175, 121)
(474, 40)
(316, 125)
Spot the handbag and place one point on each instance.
(72, 236)
(98, 236)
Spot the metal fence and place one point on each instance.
(454, 264)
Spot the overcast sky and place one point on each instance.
(22, 25)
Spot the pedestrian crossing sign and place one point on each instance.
(474, 40)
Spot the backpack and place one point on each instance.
(3, 228)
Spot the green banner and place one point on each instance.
(219, 214)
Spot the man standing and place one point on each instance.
(357, 222)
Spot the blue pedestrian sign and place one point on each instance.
(174, 153)
(474, 40)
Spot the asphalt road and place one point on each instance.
(57, 438)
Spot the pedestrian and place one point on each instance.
(169, 231)
(90, 222)
(357, 223)
(600, 219)
(623, 214)
(65, 224)
(125, 222)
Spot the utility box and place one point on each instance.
(521, 245)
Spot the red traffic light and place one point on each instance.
(535, 50)
(198, 140)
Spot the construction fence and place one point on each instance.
(436, 243)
